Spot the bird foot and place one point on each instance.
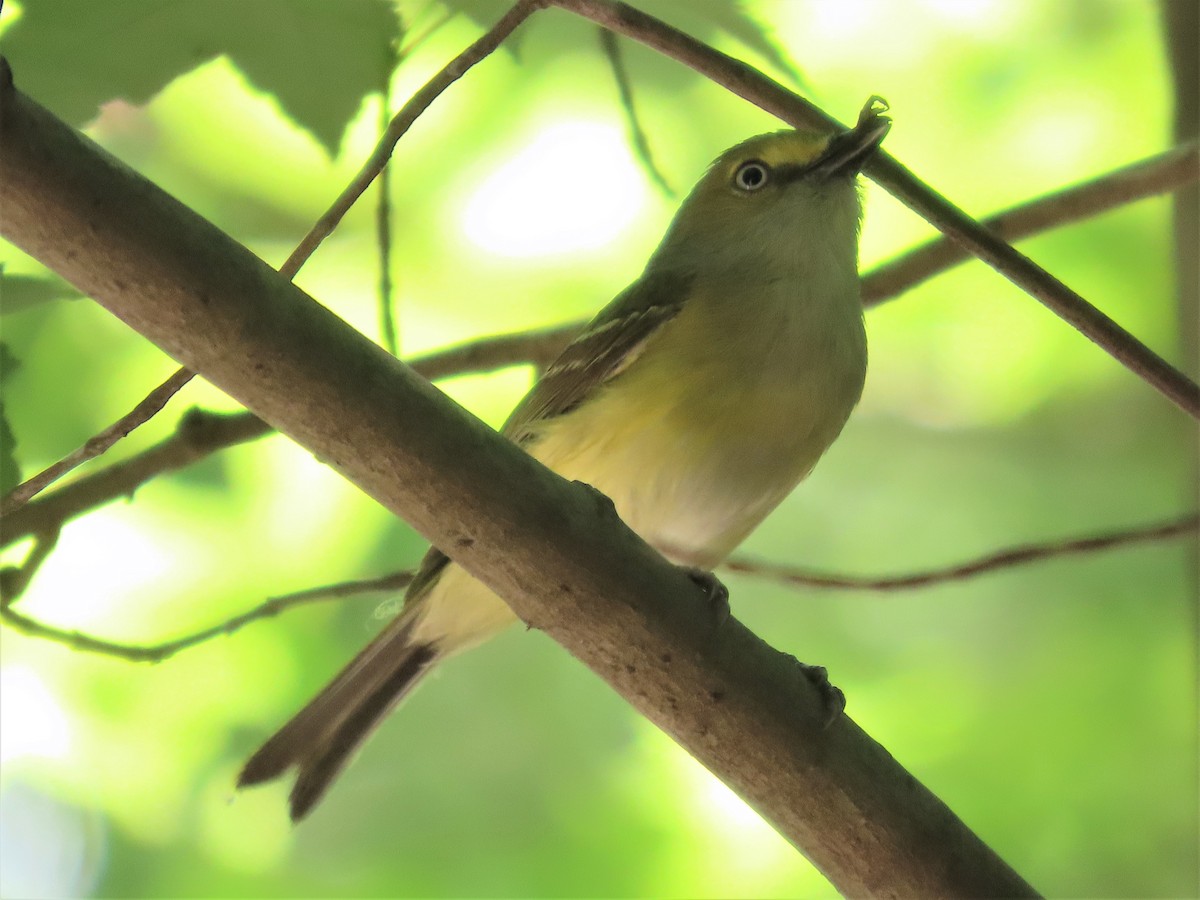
(832, 698)
(716, 595)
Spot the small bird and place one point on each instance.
(696, 400)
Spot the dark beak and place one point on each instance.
(849, 151)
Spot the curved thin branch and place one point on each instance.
(1000, 559)
(198, 434)
(637, 135)
(98, 444)
(153, 653)
(402, 121)
(383, 220)
(14, 579)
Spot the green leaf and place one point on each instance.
(10, 470)
(705, 20)
(20, 292)
(318, 58)
(712, 18)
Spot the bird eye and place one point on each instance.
(752, 175)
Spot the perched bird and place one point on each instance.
(696, 401)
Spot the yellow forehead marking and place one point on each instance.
(783, 148)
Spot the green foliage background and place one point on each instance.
(1053, 707)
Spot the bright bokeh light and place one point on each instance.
(48, 848)
(968, 13)
(85, 588)
(574, 187)
(32, 724)
(9, 13)
(819, 32)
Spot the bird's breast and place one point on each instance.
(722, 414)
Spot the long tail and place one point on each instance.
(320, 739)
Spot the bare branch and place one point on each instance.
(97, 444)
(198, 434)
(153, 653)
(637, 135)
(401, 122)
(774, 98)
(1159, 174)
(383, 221)
(14, 580)
(1001, 559)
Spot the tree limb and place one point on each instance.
(555, 551)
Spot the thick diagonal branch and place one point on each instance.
(555, 551)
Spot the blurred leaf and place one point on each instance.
(10, 470)
(729, 17)
(704, 21)
(317, 58)
(19, 292)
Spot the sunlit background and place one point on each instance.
(1052, 707)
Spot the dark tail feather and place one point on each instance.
(317, 772)
(321, 737)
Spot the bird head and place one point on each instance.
(776, 199)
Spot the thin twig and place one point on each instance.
(774, 98)
(198, 434)
(408, 49)
(383, 222)
(152, 653)
(14, 580)
(201, 433)
(403, 120)
(1159, 174)
(98, 443)
(637, 135)
(1012, 556)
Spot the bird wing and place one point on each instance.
(601, 351)
(604, 349)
